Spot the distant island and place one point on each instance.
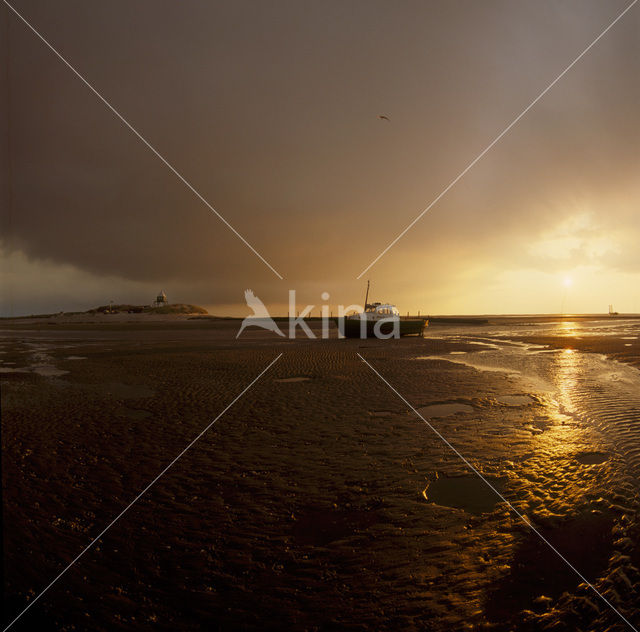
(124, 308)
(168, 308)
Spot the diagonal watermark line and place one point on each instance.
(475, 471)
(142, 493)
(146, 142)
(493, 142)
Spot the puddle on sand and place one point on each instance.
(537, 425)
(491, 345)
(592, 458)
(468, 492)
(443, 410)
(48, 370)
(293, 379)
(515, 400)
(72, 357)
(472, 365)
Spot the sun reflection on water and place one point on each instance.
(568, 328)
(569, 369)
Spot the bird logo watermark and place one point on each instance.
(260, 318)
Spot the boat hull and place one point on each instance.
(352, 327)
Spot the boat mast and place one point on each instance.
(366, 298)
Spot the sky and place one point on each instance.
(271, 112)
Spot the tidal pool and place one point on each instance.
(443, 410)
(469, 492)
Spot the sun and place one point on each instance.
(568, 281)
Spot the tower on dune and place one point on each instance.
(161, 300)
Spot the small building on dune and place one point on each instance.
(161, 300)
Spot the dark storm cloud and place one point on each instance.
(271, 111)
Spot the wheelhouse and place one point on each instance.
(381, 310)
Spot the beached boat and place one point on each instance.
(379, 320)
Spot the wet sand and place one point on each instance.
(320, 501)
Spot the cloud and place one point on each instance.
(271, 112)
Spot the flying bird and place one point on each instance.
(382, 117)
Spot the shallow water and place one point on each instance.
(469, 492)
(515, 400)
(444, 410)
(583, 392)
(592, 458)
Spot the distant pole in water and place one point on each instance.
(366, 298)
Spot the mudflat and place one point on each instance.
(320, 500)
